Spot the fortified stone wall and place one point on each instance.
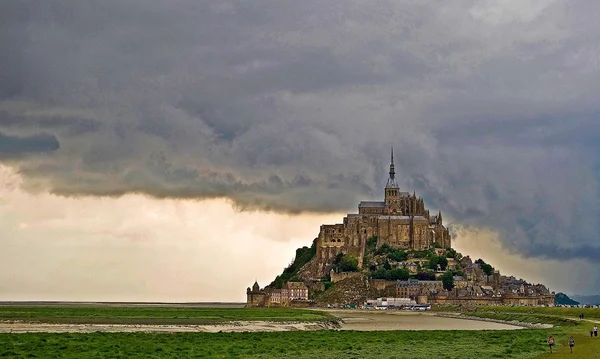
(336, 277)
(474, 300)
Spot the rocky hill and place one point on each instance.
(563, 299)
(353, 283)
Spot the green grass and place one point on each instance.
(517, 344)
(589, 313)
(534, 318)
(157, 315)
(566, 322)
(309, 344)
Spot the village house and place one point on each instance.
(286, 296)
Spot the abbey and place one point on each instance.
(400, 221)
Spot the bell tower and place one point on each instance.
(392, 190)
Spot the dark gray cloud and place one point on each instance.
(15, 147)
(492, 106)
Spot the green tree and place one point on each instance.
(385, 248)
(433, 262)
(303, 256)
(366, 260)
(487, 269)
(379, 274)
(398, 255)
(425, 276)
(443, 262)
(338, 259)
(448, 280)
(372, 244)
(423, 254)
(387, 265)
(348, 263)
(398, 274)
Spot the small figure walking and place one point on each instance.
(595, 330)
(550, 342)
(591, 333)
(571, 343)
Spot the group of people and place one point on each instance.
(550, 341)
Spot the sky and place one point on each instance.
(180, 150)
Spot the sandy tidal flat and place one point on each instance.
(22, 327)
(370, 320)
(352, 320)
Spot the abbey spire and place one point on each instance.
(391, 183)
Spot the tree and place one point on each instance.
(423, 254)
(398, 274)
(385, 248)
(379, 274)
(372, 244)
(487, 269)
(434, 261)
(387, 265)
(448, 280)
(366, 260)
(303, 256)
(425, 276)
(398, 255)
(443, 262)
(348, 263)
(338, 259)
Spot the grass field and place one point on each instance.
(157, 315)
(589, 313)
(572, 313)
(566, 321)
(518, 344)
(308, 344)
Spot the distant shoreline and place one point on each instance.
(126, 304)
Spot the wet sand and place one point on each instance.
(6, 327)
(371, 320)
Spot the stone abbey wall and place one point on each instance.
(400, 221)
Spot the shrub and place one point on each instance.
(398, 255)
(448, 281)
(348, 263)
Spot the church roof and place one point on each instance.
(371, 204)
(416, 218)
(391, 183)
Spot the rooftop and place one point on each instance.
(371, 204)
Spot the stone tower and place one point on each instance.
(392, 190)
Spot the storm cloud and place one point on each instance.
(492, 106)
(20, 146)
